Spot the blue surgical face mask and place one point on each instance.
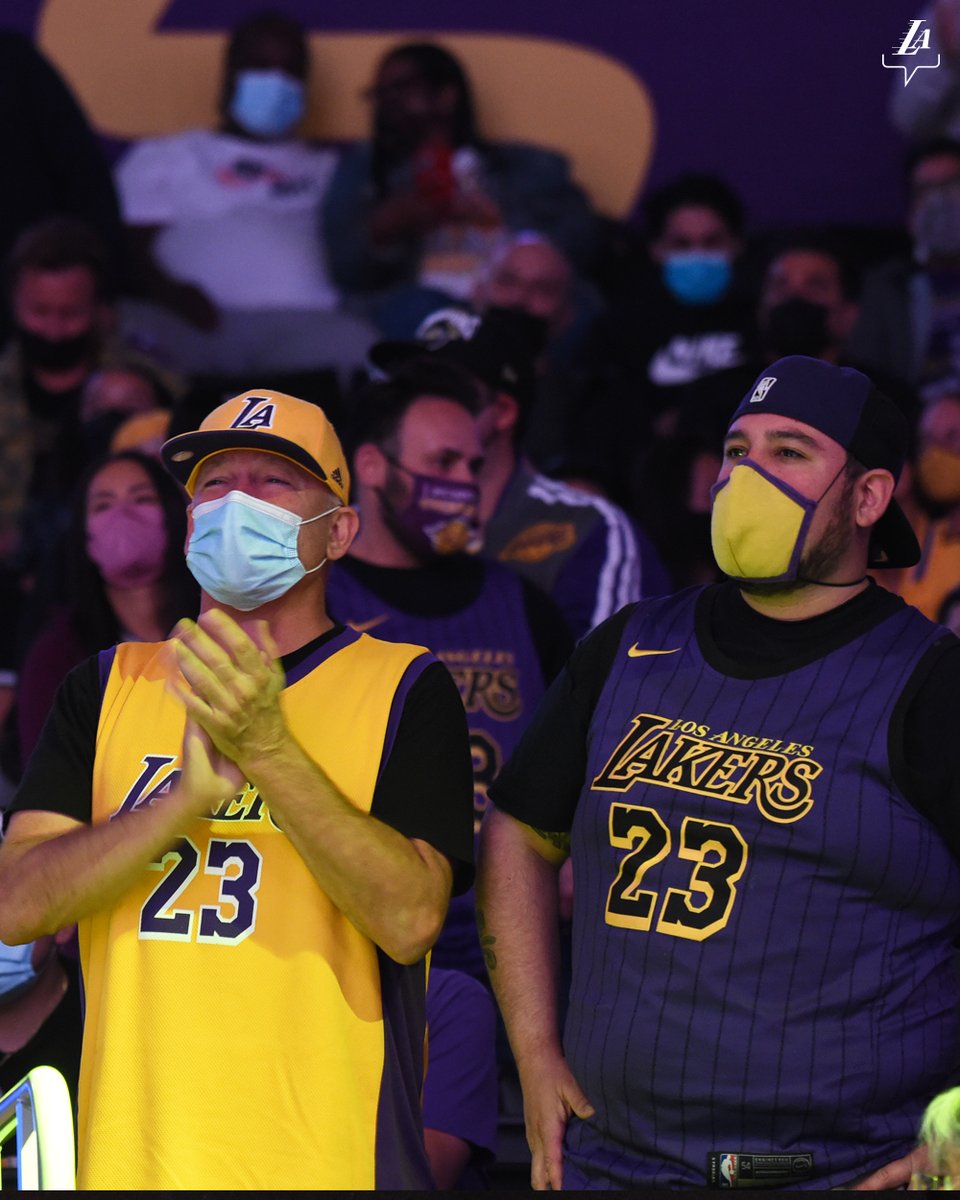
(243, 551)
(697, 276)
(267, 104)
(17, 972)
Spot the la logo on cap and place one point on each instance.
(764, 386)
(258, 413)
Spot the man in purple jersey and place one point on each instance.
(414, 571)
(757, 785)
(581, 549)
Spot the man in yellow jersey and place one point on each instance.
(257, 825)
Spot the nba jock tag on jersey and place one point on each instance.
(740, 1169)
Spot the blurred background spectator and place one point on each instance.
(579, 548)
(808, 300)
(124, 579)
(910, 307)
(931, 496)
(532, 275)
(680, 313)
(673, 473)
(55, 163)
(427, 198)
(143, 431)
(61, 291)
(224, 224)
(111, 396)
(414, 574)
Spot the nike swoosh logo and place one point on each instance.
(664, 369)
(636, 652)
(366, 626)
(685, 359)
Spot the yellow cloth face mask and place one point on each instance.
(758, 525)
(938, 473)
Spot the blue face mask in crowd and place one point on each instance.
(17, 971)
(243, 551)
(697, 276)
(267, 104)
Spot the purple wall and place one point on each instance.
(787, 101)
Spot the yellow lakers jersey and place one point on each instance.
(239, 1031)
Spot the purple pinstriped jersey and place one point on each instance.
(489, 650)
(763, 925)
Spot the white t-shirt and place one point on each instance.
(240, 217)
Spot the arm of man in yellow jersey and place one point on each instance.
(518, 874)
(393, 888)
(55, 870)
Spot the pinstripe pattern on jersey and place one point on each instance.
(823, 1014)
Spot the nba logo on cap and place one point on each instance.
(762, 388)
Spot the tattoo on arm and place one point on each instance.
(487, 942)
(560, 841)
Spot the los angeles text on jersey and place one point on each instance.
(743, 768)
(488, 681)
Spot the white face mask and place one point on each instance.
(243, 551)
(17, 972)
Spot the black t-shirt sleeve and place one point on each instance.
(925, 739)
(548, 627)
(59, 776)
(540, 783)
(425, 789)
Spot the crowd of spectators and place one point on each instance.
(586, 375)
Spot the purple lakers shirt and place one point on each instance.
(489, 650)
(763, 925)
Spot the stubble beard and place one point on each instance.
(820, 561)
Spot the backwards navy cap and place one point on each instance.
(499, 347)
(844, 404)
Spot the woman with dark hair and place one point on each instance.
(426, 199)
(127, 579)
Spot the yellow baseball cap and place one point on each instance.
(269, 421)
(139, 428)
